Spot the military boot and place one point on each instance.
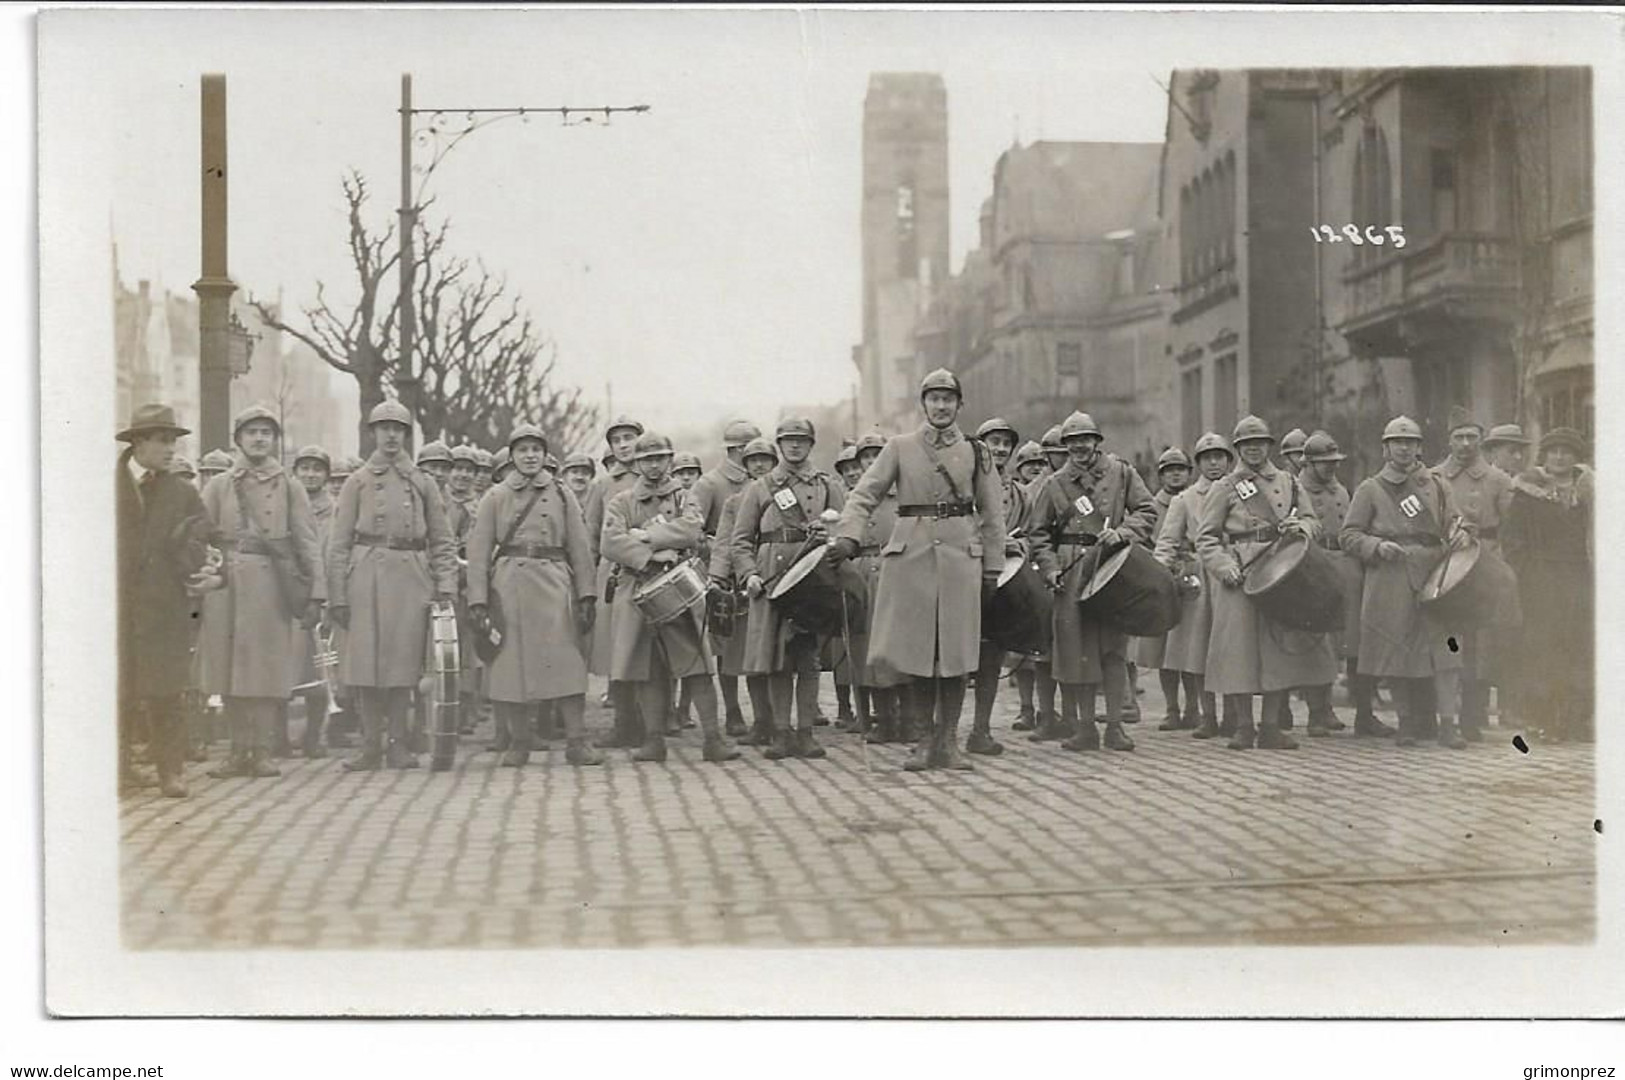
(1367, 725)
(653, 748)
(1025, 720)
(717, 748)
(578, 750)
(780, 743)
(1450, 735)
(519, 752)
(1208, 728)
(1049, 728)
(1087, 736)
(735, 727)
(1246, 736)
(921, 757)
(807, 746)
(948, 755)
(1271, 737)
(1116, 737)
(372, 746)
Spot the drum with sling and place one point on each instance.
(1297, 585)
(1130, 591)
(1018, 617)
(1468, 587)
(445, 679)
(670, 594)
(722, 611)
(808, 594)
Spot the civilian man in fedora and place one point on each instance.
(162, 548)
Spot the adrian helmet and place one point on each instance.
(998, 424)
(795, 425)
(941, 379)
(1173, 456)
(1293, 441)
(390, 412)
(685, 460)
(1029, 451)
(622, 422)
(1078, 425)
(434, 451)
(1322, 447)
(740, 432)
(1251, 429)
(760, 448)
(526, 431)
(1402, 427)
(847, 454)
(464, 453)
(1212, 441)
(251, 414)
(314, 453)
(1052, 439)
(500, 460)
(872, 440)
(651, 445)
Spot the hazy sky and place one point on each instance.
(703, 257)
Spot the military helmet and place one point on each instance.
(550, 463)
(578, 460)
(795, 425)
(1250, 428)
(1293, 440)
(1212, 440)
(482, 458)
(941, 379)
(1077, 426)
(183, 467)
(434, 451)
(760, 448)
(1029, 451)
(390, 412)
(1051, 440)
(872, 440)
(526, 431)
(740, 432)
(1322, 447)
(215, 461)
(343, 467)
(1506, 433)
(998, 423)
(314, 453)
(686, 460)
(465, 453)
(620, 422)
(1402, 427)
(651, 445)
(502, 459)
(847, 454)
(1173, 456)
(251, 414)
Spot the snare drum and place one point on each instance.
(670, 594)
(1018, 617)
(1132, 592)
(809, 594)
(1298, 585)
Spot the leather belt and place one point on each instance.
(783, 536)
(1419, 541)
(1266, 534)
(1074, 539)
(247, 546)
(531, 551)
(1491, 533)
(393, 543)
(936, 510)
(869, 549)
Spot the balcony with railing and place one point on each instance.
(1453, 277)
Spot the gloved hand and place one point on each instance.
(480, 616)
(1053, 580)
(339, 615)
(586, 615)
(990, 585)
(313, 615)
(753, 586)
(716, 585)
(1110, 537)
(1231, 576)
(842, 548)
(1388, 551)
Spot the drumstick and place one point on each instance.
(852, 667)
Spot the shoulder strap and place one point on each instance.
(1257, 501)
(1424, 514)
(524, 513)
(936, 463)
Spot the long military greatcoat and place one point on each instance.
(1073, 503)
(1331, 503)
(542, 657)
(1249, 653)
(615, 479)
(672, 521)
(928, 600)
(162, 533)
(759, 516)
(388, 589)
(1548, 541)
(1151, 652)
(1397, 638)
(876, 531)
(716, 496)
(1185, 646)
(246, 648)
(322, 506)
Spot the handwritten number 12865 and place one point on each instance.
(1327, 234)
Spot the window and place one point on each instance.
(1568, 116)
(1373, 192)
(1125, 271)
(1069, 370)
(1442, 168)
(1190, 404)
(1187, 244)
(1226, 392)
(907, 249)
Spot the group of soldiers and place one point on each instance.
(547, 562)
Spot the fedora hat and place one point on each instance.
(151, 418)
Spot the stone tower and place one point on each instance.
(905, 231)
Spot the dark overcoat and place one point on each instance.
(759, 517)
(615, 479)
(162, 540)
(1331, 503)
(672, 521)
(716, 495)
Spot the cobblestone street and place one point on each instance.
(1180, 842)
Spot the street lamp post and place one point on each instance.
(452, 132)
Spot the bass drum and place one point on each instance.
(1471, 587)
(808, 594)
(1297, 585)
(1131, 591)
(1018, 618)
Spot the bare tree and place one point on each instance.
(482, 364)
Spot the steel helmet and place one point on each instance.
(1293, 440)
(998, 424)
(1173, 456)
(760, 448)
(795, 425)
(343, 467)
(1250, 428)
(314, 453)
(579, 460)
(434, 451)
(848, 453)
(550, 463)
(1029, 451)
(942, 379)
(390, 412)
(500, 460)
(526, 431)
(871, 441)
(622, 421)
(1322, 447)
(215, 461)
(183, 467)
(1402, 427)
(685, 460)
(1213, 441)
(740, 432)
(651, 445)
(1077, 426)
(483, 458)
(1051, 440)
(465, 453)
(1506, 433)
(251, 414)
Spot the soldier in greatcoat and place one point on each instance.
(1186, 646)
(436, 460)
(836, 661)
(1095, 502)
(686, 470)
(886, 691)
(758, 458)
(711, 493)
(578, 472)
(312, 467)
(501, 466)
(1029, 465)
(1292, 450)
(529, 546)
(1000, 437)
(1482, 494)
(1249, 653)
(1151, 653)
(648, 528)
(246, 645)
(212, 465)
(940, 564)
(621, 438)
(163, 531)
(780, 516)
(1331, 502)
(1050, 724)
(483, 474)
(1398, 525)
(390, 555)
